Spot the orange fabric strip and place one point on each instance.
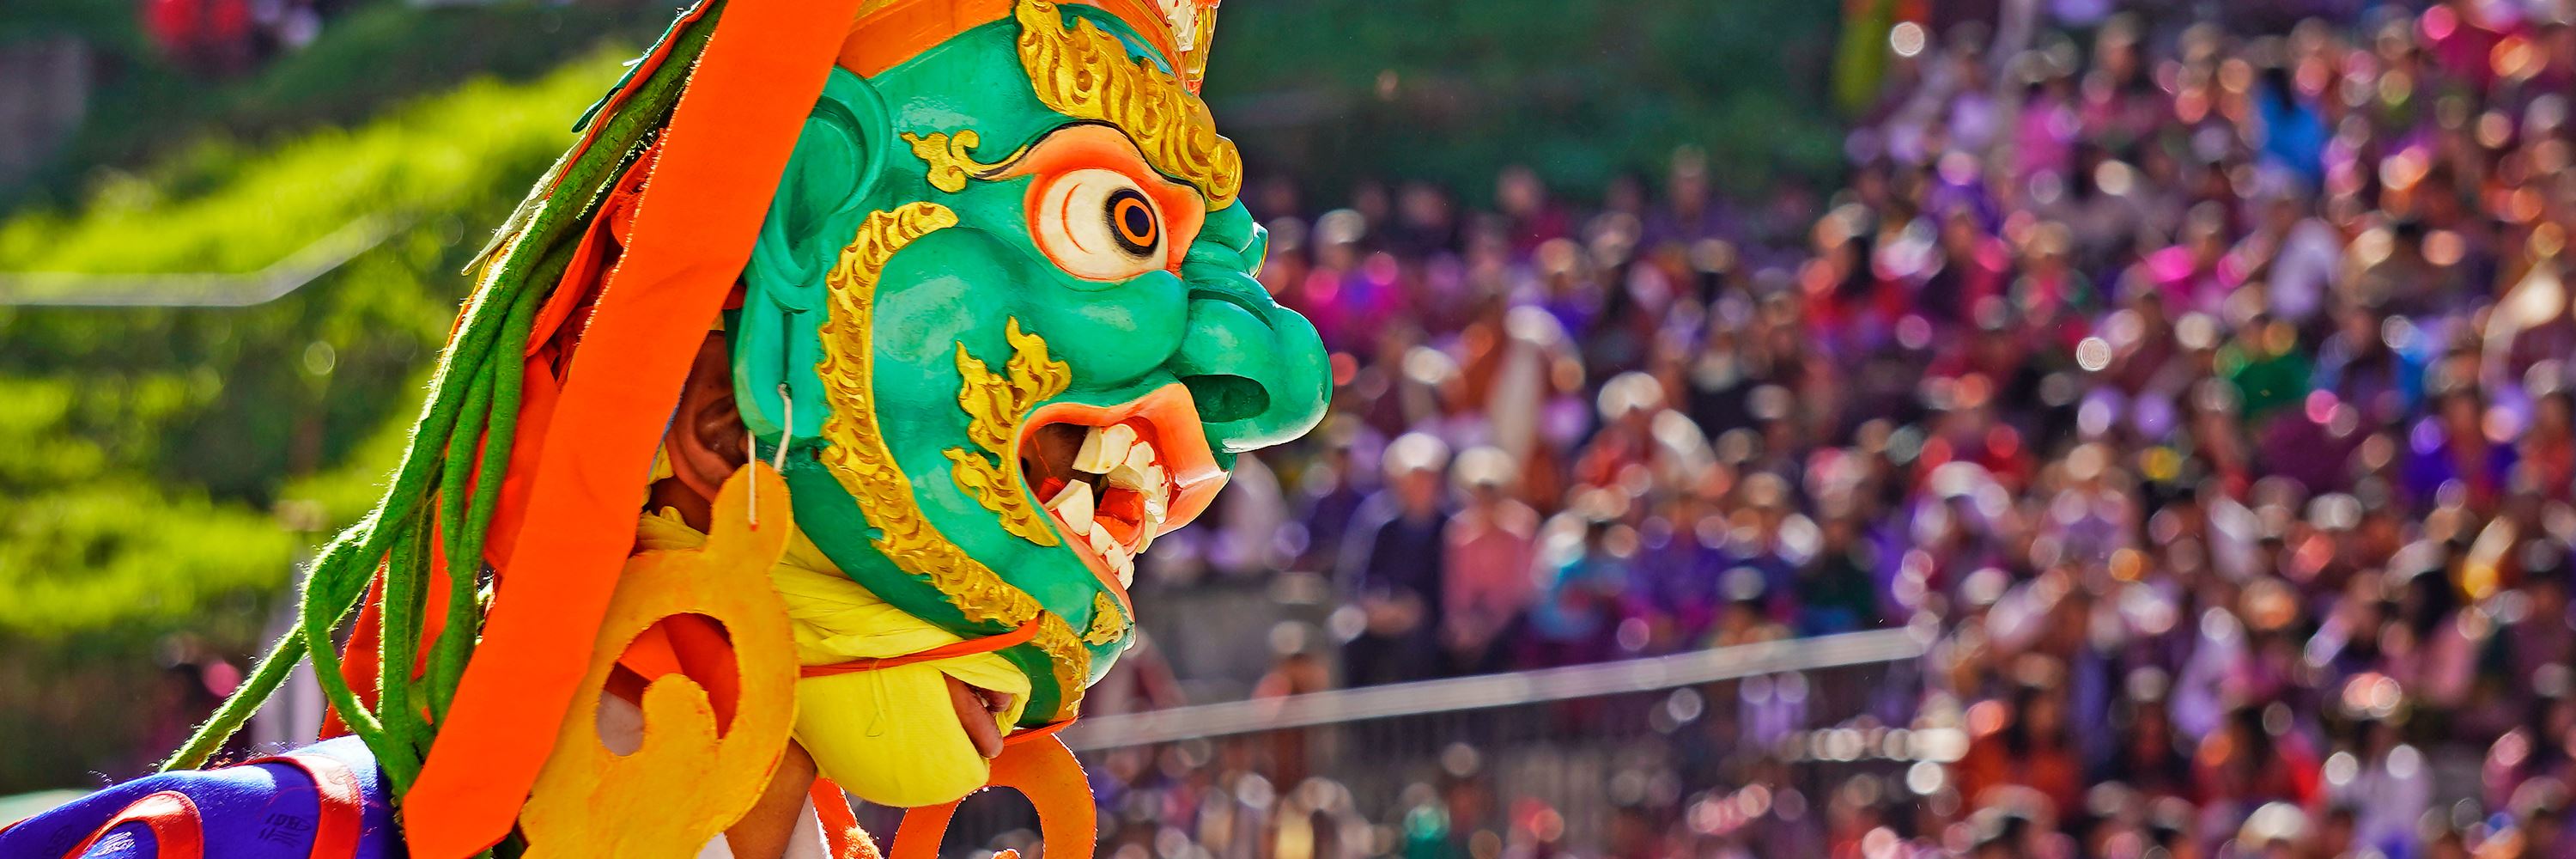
(987, 644)
(902, 29)
(358, 656)
(553, 335)
(691, 646)
(841, 832)
(722, 154)
(1048, 775)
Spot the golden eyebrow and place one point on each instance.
(950, 165)
(1085, 73)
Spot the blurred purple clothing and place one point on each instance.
(270, 808)
(2433, 459)
(1677, 580)
(1348, 308)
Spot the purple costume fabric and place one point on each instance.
(259, 811)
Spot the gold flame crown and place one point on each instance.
(888, 32)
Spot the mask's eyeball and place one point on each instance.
(1133, 221)
(1098, 225)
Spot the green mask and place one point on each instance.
(1002, 316)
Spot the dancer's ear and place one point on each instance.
(823, 196)
(705, 441)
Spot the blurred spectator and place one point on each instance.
(2196, 377)
(1392, 566)
(1488, 584)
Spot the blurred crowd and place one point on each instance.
(231, 37)
(2206, 393)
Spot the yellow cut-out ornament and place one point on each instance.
(684, 783)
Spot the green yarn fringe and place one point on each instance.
(437, 496)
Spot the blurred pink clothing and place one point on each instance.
(1488, 580)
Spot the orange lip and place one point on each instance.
(1167, 419)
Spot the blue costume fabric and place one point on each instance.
(272, 808)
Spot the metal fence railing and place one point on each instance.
(1736, 743)
(304, 266)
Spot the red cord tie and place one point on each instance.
(987, 644)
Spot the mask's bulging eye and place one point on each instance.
(1098, 225)
(1138, 230)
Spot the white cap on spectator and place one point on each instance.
(1485, 467)
(1628, 392)
(1340, 227)
(1414, 452)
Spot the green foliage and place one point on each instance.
(194, 551)
(377, 52)
(225, 406)
(260, 206)
(283, 388)
(61, 518)
(162, 469)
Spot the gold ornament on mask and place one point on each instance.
(995, 407)
(1085, 73)
(1107, 624)
(950, 166)
(858, 456)
(1072, 663)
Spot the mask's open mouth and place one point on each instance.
(1116, 477)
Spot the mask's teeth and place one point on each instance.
(1100, 541)
(1145, 534)
(1072, 506)
(1121, 563)
(1139, 471)
(1158, 494)
(1104, 448)
(1090, 454)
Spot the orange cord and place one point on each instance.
(987, 644)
